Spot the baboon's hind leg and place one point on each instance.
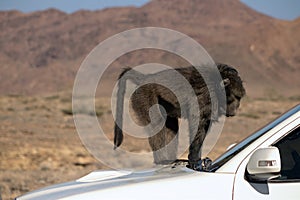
(164, 144)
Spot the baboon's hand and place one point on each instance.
(200, 165)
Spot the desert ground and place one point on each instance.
(39, 145)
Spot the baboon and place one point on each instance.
(149, 94)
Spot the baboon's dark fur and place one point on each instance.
(150, 94)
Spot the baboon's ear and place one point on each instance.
(226, 82)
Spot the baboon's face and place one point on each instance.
(234, 93)
(234, 88)
(233, 103)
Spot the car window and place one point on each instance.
(289, 148)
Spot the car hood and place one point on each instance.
(149, 184)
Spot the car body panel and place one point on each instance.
(169, 182)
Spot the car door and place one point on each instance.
(287, 185)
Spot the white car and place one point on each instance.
(266, 165)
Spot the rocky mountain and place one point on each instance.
(40, 52)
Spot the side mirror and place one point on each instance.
(264, 164)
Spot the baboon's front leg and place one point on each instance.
(195, 149)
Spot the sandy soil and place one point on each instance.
(39, 145)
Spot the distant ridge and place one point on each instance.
(41, 51)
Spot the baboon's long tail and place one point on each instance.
(136, 77)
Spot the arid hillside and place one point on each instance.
(41, 51)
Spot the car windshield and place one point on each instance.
(246, 142)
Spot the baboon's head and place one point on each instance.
(234, 88)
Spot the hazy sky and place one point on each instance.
(283, 9)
